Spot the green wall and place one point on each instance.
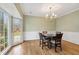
(69, 22)
(33, 23)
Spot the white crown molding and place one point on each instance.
(69, 12)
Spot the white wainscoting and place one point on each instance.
(71, 37)
(33, 35)
(68, 36)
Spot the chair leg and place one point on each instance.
(49, 45)
(60, 48)
(43, 45)
(55, 48)
(40, 43)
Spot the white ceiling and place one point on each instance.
(41, 9)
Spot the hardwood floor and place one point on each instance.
(32, 48)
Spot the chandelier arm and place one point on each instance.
(50, 14)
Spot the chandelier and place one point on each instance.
(51, 14)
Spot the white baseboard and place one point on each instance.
(17, 43)
(9, 47)
(5, 50)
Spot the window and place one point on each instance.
(17, 30)
(10, 30)
(6, 18)
(3, 30)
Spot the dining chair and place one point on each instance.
(43, 40)
(57, 41)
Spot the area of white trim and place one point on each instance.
(71, 37)
(33, 35)
(68, 36)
